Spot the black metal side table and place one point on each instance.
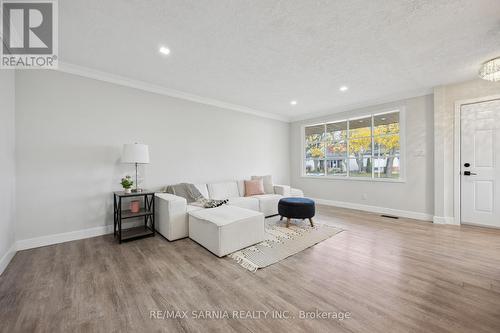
(147, 211)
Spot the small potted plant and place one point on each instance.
(127, 183)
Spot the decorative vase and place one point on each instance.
(127, 190)
(135, 206)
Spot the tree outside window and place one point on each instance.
(362, 147)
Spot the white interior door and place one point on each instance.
(480, 163)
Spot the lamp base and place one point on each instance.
(137, 189)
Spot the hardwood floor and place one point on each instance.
(391, 275)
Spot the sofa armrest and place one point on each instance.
(295, 192)
(283, 190)
(169, 197)
(171, 216)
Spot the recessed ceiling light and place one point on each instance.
(361, 121)
(344, 88)
(293, 103)
(164, 50)
(383, 118)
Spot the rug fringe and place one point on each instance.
(281, 243)
(244, 262)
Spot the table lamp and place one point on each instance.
(138, 154)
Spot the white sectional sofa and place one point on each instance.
(172, 212)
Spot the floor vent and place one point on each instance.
(390, 217)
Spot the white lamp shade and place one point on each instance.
(135, 153)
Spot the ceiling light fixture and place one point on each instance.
(490, 70)
(344, 88)
(164, 50)
(293, 103)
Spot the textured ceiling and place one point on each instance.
(262, 54)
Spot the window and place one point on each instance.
(365, 147)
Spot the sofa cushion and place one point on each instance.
(193, 206)
(223, 215)
(241, 187)
(223, 190)
(268, 203)
(283, 190)
(268, 183)
(296, 192)
(245, 202)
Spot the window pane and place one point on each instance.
(360, 167)
(315, 150)
(336, 149)
(387, 145)
(359, 128)
(387, 167)
(336, 131)
(314, 133)
(336, 167)
(360, 147)
(386, 123)
(315, 167)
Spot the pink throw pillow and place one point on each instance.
(254, 187)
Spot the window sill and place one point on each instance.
(360, 179)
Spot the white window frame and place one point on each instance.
(402, 151)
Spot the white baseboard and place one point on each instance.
(31, 243)
(7, 258)
(68, 236)
(376, 209)
(444, 220)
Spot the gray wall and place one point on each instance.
(69, 135)
(414, 195)
(7, 164)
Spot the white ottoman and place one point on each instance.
(226, 229)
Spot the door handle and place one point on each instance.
(468, 173)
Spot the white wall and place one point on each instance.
(7, 167)
(445, 99)
(414, 196)
(69, 135)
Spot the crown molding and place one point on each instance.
(141, 85)
(369, 103)
(90, 73)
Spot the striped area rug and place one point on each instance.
(282, 242)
